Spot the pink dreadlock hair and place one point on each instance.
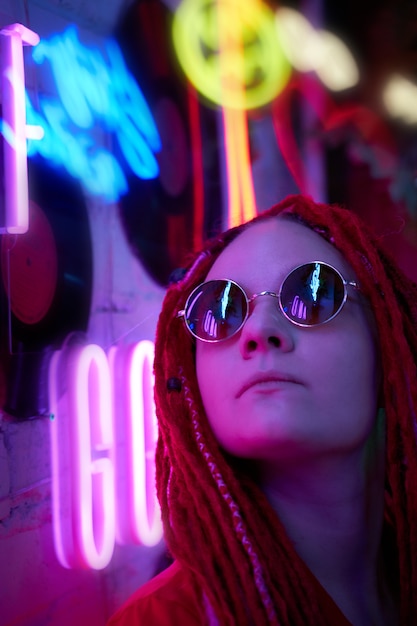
(218, 524)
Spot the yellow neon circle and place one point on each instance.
(230, 51)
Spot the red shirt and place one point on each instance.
(170, 599)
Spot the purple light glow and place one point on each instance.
(103, 435)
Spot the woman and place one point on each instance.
(286, 395)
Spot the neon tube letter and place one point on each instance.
(13, 127)
(138, 514)
(82, 457)
(90, 408)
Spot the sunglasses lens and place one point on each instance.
(215, 310)
(312, 294)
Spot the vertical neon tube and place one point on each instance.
(241, 197)
(99, 448)
(12, 38)
(146, 523)
(60, 467)
(135, 427)
(89, 395)
(81, 457)
(242, 206)
(198, 174)
(122, 442)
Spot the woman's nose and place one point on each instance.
(265, 329)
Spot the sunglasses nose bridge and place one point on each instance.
(263, 293)
(255, 296)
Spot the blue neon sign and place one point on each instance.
(96, 93)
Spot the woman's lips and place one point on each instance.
(263, 378)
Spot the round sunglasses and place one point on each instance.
(311, 294)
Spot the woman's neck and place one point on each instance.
(332, 509)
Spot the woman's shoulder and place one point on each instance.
(168, 599)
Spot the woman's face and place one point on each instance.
(276, 390)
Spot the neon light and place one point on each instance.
(249, 24)
(138, 513)
(13, 128)
(83, 495)
(315, 282)
(198, 174)
(399, 97)
(34, 132)
(146, 524)
(298, 308)
(98, 169)
(103, 435)
(298, 38)
(241, 201)
(60, 466)
(335, 66)
(210, 324)
(120, 386)
(320, 51)
(90, 409)
(225, 300)
(96, 92)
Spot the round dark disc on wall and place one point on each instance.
(47, 272)
(157, 214)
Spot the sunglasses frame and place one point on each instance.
(273, 294)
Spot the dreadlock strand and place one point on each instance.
(205, 531)
(237, 521)
(180, 518)
(305, 609)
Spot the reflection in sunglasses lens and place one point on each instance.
(312, 294)
(216, 310)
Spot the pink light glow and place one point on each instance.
(138, 517)
(146, 519)
(12, 38)
(89, 394)
(83, 483)
(61, 514)
(241, 195)
(103, 434)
